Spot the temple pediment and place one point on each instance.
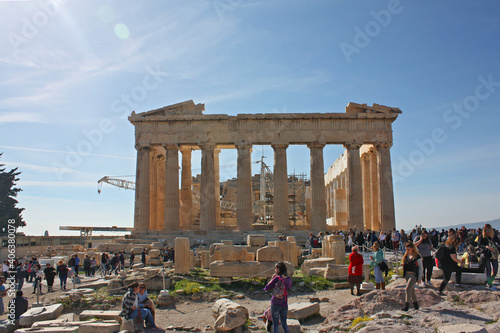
(375, 108)
(179, 109)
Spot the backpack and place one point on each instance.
(279, 290)
(440, 252)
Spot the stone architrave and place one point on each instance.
(281, 217)
(269, 253)
(354, 189)
(318, 203)
(182, 255)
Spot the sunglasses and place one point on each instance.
(142, 287)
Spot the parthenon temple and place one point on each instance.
(356, 192)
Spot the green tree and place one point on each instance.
(8, 202)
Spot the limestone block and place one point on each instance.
(156, 283)
(63, 329)
(302, 310)
(336, 272)
(269, 253)
(165, 301)
(182, 255)
(250, 256)
(317, 252)
(137, 250)
(245, 269)
(256, 240)
(40, 313)
(366, 272)
(462, 328)
(232, 253)
(139, 265)
(128, 325)
(156, 245)
(289, 250)
(471, 278)
(105, 315)
(291, 239)
(214, 251)
(334, 247)
(154, 253)
(317, 271)
(293, 326)
(437, 273)
(154, 261)
(227, 242)
(205, 259)
(229, 320)
(224, 304)
(313, 263)
(99, 327)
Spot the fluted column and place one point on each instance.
(318, 204)
(141, 209)
(367, 208)
(153, 191)
(217, 187)
(171, 220)
(207, 197)
(375, 191)
(354, 188)
(186, 191)
(387, 218)
(160, 188)
(281, 218)
(244, 188)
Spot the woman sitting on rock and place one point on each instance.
(412, 271)
(355, 270)
(131, 309)
(144, 300)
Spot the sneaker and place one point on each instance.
(428, 283)
(493, 288)
(457, 285)
(422, 285)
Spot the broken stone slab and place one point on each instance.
(314, 263)
(269, 253)
(59, 322)
(105, 315)
(256, 240)
(223, 304)
(229, 315)
(462, 328)
(41, 313)
(97, 284)
(139, 265)
(231, 253)
(99, 327)
(128, 325)
(293, 326)
(471, 278)
(245, 269)
(336, 272)
(60, 329)
(302, 310)
(317, 271)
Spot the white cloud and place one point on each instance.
(21, 117)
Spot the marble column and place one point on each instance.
(366, 175)
(153, 190)
(281, 214)
(207, 191)
(160, 188)
(318, 213)
(375, 191)
(186, 219)
(217, 187)
(171, 220)
(244, 188)
(387, 218)
(141, 209)
(354, 188)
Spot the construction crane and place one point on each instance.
(126, 184)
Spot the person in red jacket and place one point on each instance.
(355, 270)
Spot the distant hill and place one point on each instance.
(494, 223)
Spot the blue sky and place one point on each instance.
(74, 70)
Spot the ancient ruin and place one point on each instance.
(162, 206)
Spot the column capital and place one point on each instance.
(185, 149)
(206, 146)
(380, 145)
(315, 145)
(141, 146)
(171, 147)
(279, 146)
(243, 145)
(352, 145)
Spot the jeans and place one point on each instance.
(379, 278)
(279, 315)
(491, 270)
(428, 263)
(20, 283)
(63, 281)
(145, 314)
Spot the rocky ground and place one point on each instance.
(471, 306)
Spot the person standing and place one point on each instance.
(377, 258)
(38, 279)
(450, 262)
(355, 270)
(3, 293)
(77, 264)
(280, 284)
(50, 274)
(132, 258)
(412, 272)
(490, 241)
(21, 274)
(143, 257)
(62, 270)
(86, 265)
(424, 247)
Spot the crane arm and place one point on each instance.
(126, 184)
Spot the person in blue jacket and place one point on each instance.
(280, 284)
